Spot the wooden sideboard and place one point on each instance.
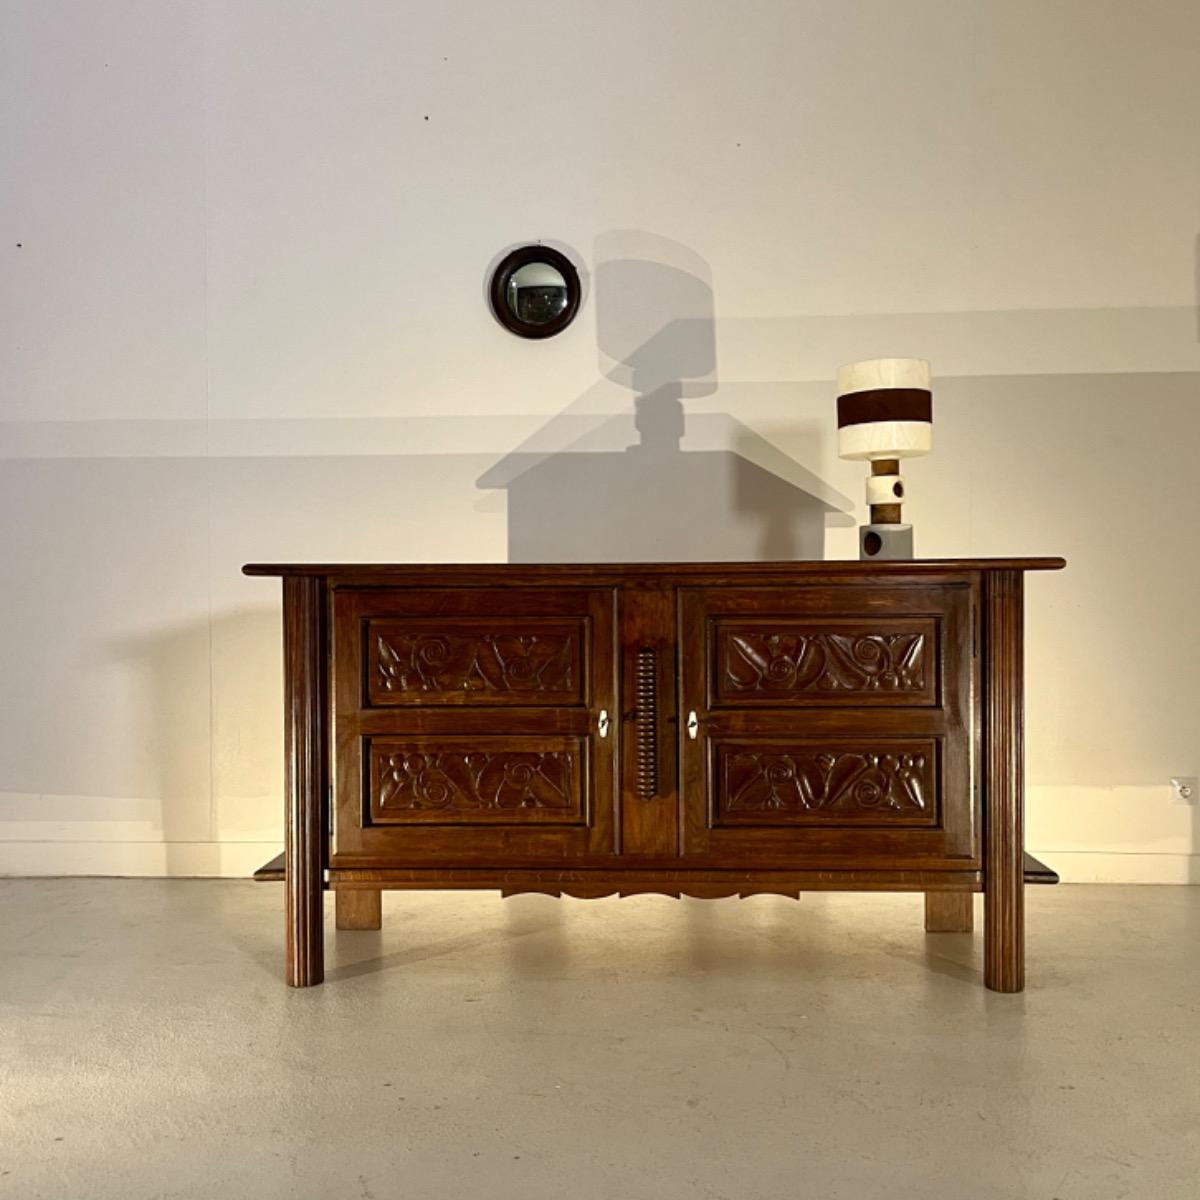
(699, 729)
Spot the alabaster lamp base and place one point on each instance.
(885, 541)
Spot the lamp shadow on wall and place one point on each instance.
(657, 483)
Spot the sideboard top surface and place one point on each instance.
(692, 572)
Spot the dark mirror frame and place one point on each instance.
(513, 262)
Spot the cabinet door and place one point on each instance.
(829, 726)
(473, 725)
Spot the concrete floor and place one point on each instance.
(640, 1049)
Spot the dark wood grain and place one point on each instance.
(829, 661)
(306, 776)
(522, 777)
(858, 727)
(869, 780)
(1037, 872)
(949, 912)
(358, 908)
(644, 716)
(272, 871)
(601, 574)
(647, 622)
(662, 879)
(1004, 878)
(474, 660)
(793, 736)
(477, 780)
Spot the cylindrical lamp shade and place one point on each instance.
(885, 409)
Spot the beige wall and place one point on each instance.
(245, 321)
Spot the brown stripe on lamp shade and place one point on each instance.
(885, 404)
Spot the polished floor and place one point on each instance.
(638, 1049)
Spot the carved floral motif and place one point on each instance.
(769, 780)
(488, 663)
(821, 662)
(453, 780)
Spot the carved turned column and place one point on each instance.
(1004, 782)
(306, 775)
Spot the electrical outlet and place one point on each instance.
(1185, 789)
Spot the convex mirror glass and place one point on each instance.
(535, 292)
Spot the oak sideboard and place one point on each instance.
(698, 729)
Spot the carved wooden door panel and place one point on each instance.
(828, 726)
(473, 725)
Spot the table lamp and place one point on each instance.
(885, 413)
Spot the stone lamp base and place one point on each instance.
(879, 541)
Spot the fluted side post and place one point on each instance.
(1004, 783)
(306, 775)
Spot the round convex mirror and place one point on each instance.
(535, 292)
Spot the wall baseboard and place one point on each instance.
(239, 860)
(1100, 866)
(222, 860)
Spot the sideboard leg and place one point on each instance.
(1004, 875)
(949, 912)
(358, 910)
(306, 777)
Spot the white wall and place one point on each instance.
(244, 253)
